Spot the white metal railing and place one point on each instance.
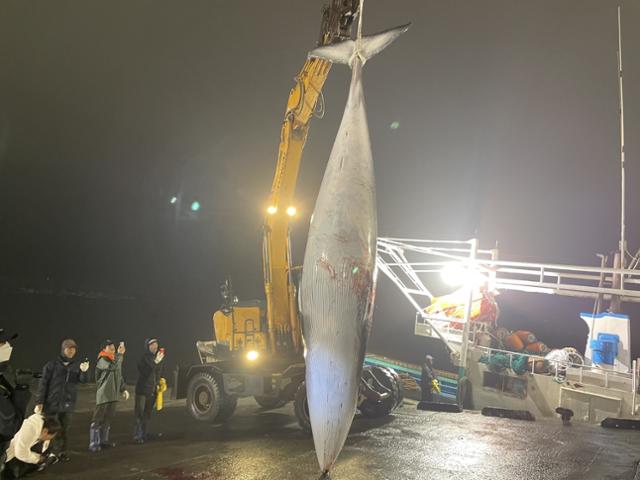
(410, 262)
(604, 375)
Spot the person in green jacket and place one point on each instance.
(110, 386)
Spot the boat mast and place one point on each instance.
(623, 245)
(619, 259)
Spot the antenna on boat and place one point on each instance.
(623, 243)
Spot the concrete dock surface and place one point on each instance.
(258, 444)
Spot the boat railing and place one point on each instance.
(588, 374)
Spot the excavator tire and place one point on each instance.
(229, 405)
(398, 385)
(204, 397)
(382, 380)
(301, 408)
(269, 402)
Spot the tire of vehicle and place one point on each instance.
(391, 383)
(269, 402)
(399, 387)
(204, 397)
(229, 405)
(301, 408)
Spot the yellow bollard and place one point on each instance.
(162, 387)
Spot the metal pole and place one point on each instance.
(598, 302)
(634, 388)
(623, 246)
(361, 8)
(467, 310)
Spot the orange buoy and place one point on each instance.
(537, 347)
(513, 342)
(526, 337)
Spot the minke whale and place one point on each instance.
(338, 280)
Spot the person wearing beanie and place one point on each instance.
(109, 387)
(149, 368)
(57, 392)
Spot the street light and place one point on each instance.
(195, 206)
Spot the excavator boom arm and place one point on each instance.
(282, 314)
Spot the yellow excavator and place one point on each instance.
(258, 349)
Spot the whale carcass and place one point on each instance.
(338, 280)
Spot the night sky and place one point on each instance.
(507, 130)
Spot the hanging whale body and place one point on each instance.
(338, 281)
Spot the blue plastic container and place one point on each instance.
(605, 348)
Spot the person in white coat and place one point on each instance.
(27, 451)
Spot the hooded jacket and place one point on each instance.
(148, 372)
(58, 389)
(109, 381)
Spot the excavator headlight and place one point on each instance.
(252, 355)
(272, 209)
(291, 211)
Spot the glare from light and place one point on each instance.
(272, 209)
(291, 211)
(252, 355)
(173, 200)
(195, 206)
(457, 274)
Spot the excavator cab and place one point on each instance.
(239, 327)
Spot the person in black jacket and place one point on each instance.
(57, 391)
(427, 377)
(14, 397)
(149, 368)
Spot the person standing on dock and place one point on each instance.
(110, 386)
(426, 379)
(58, 391)
(149, 368)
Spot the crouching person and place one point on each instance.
(28, 450)
(110, 386)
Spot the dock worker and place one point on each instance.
(149, 368)
(426, 379)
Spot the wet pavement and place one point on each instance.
(259, 444)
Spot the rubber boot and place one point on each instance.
(104, 440)
(94, 438)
